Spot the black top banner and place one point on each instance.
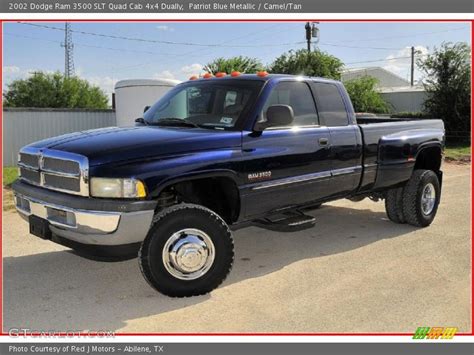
(229, 6)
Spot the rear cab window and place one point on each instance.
(331, 108)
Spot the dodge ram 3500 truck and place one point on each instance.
(214, 152)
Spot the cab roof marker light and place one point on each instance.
(220, 74)
(235, 73)
(207, 76)
(262, 73)
(194, 77)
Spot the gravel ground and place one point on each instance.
(355, 271)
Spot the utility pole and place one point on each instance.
(412, 76)
(308, 35)
(68, 51)
(312, 31)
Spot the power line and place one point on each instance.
(358, 47)
(405, 36)
(385, 59)
(378, 60)
(236, 38)
(94, 46)
(142, 51)
(145, 40)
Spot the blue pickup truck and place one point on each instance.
(217, 153)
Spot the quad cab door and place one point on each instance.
(345, 137)
(289, 165)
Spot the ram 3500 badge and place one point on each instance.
(219, 152)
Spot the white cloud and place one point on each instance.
(165, 74)
(400, 61)
(106, 83)
(11, 69)
(192, 69)
(165, 28)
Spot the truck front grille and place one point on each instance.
(29, 160)
(30, 175)
(65, 183)
(61, 166)
(55, 170)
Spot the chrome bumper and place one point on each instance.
(87, 226)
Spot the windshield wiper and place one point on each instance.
(173, 122)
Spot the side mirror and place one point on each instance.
(277, 116)
(146, 109)
(140, 121)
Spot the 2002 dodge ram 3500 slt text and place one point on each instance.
(231, 150)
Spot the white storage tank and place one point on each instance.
(132, 96)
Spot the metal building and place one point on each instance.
(385, 77)
(22, 126)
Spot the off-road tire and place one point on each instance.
(412, 195)
(171, 220)
(394, 205)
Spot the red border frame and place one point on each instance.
(2, 334)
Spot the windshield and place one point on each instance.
(211, 104)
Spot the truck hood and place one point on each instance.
(114, 144)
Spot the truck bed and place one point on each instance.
(390, 144)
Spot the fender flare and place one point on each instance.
(428, 145)
(193, 176)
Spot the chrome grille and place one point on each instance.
(61, 166)
(64, 183)
(55, 170)
(30, 175)
(29, 160)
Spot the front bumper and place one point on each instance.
(83, 220)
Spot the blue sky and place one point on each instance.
(104, 60)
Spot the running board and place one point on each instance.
(287, 222)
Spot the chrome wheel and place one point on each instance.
(428, 199)
(188, 254)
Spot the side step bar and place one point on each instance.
(287, 222)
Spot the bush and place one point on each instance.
(240, 64)
(364, 97)
(420, 115)
(448, 84)
(302, 62)
(54, 90)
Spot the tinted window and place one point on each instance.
(331, 108)
(298, 96)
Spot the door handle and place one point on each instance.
(324, 142)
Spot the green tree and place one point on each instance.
(364, 97)
(228, 65)
(302, 62)
(54, 90)
(447, 80)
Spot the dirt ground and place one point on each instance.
(355, 271)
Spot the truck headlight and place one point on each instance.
(117, 188)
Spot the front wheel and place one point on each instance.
(421, 197)
(188, 251)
